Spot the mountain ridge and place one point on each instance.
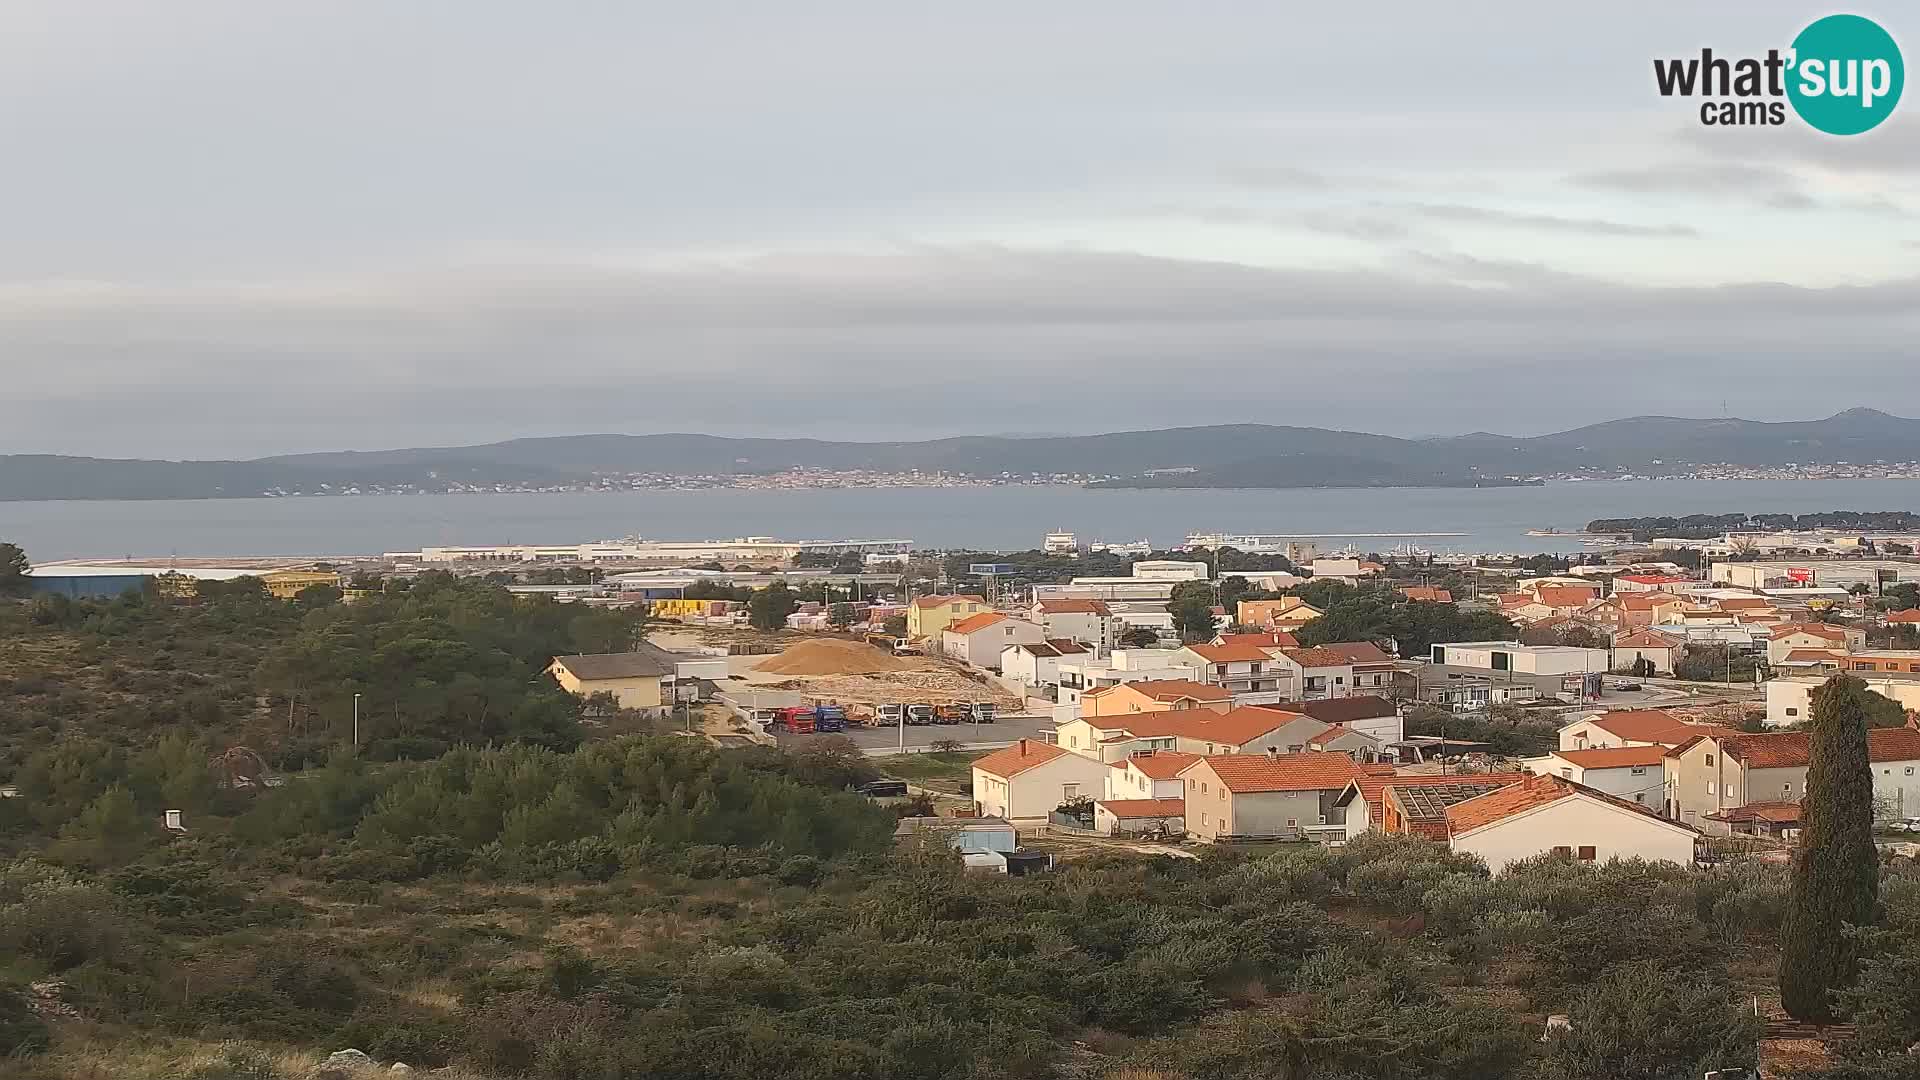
(1219, 455)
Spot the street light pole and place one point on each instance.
(356, 722)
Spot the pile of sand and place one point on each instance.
(832, 656)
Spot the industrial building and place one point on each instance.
(1831, 573)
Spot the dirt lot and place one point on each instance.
(919, 679)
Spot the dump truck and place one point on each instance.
(829, 718)
(797, 719)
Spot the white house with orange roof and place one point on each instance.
(1090, 622)
(1154, 695)
(1148, 774)
(1246, 730)
(978, 640)
(1548, 813)
(1635, 773)
(1266, 795)
(1630, 727)
(1030, 779)
(1787, 637)
(1657, 649)
(1242, 669)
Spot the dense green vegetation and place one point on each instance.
(1706, 526)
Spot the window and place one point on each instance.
(1562, 849)
(1203, 787)
(1909, 770)
(1709, 759)
(1223, 794)
(1640, 796)
(1073, 740)
(1568, 773)
(1071, 791)
(1787, 788)
(1793, 712)
(1203, 817)
(1637, 770)
(1293, 823)
(1587, 853)
(1323, 819)
(1709, 787)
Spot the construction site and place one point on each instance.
(853, 674)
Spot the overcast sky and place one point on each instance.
(242, 227)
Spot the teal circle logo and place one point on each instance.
(1846, 75)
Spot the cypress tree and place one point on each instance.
(1836, 874)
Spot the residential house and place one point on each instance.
(1522, 609)
(1635, 773)
(1367, 713)
(1322, 672)
(1241, 669)
(1776, 819)
(1629, 727)
(1038, 663)
(1266, 795)
(1030, 779)
(1286, 613)
(1157, 695)
(1370, 802)
(1126, 817)
(1790, 697)
(1090, 622)
(1246, 730)
(1787, 637)
(1374, 672)
(1426, 594)
(1550, 813)
(1629, 611)
(978, 640)
(1904, 617)
(1864, 661)
(927, 616)
(1357, 745)
(1709, 774)
(1820, 662)
(1148, 774)
(1081, 675)
(1651, 646)
(1347, 570)
(1513, 656)
(633, 678)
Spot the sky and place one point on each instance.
(232, 228)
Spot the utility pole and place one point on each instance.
(356, 723)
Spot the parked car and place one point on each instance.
(1626, 686)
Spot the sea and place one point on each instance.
(985, 518)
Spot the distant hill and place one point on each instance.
(1226, 455)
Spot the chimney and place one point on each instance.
(1023, 748)
(1273, 752)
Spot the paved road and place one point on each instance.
(1002, 732)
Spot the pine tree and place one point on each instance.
(1836, 877)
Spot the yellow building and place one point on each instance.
(287, 584)
(929, 616)
(633, 678)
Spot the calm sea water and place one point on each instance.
(1011, 518)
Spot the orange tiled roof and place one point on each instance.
(1778, 813)
(1743, 603)
(1168, 690)
(1427, 593)
(1160, 764)
(1794, 749)
(1614, 757)
(1319, 656)
(1145, 808)
(1565, 596)
(1229, 654)
(1235, 727)
(1009, 762)
(1359, 652)
(1649, 725)
(975, 622)
(1074, 607)
(1529, 794)
(1815, 654)
(1646, 639)
(1820, 630)
(1271, 639)
(1910, 615)
(1245, 774)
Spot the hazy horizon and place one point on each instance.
(239, 230)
